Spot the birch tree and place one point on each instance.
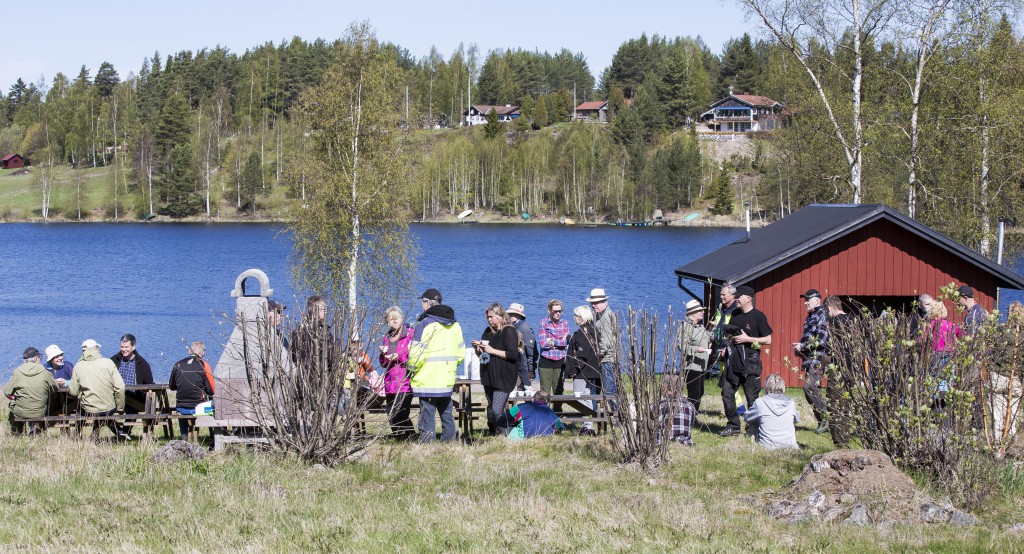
(837, 25)
(351, 244)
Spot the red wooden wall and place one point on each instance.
(881, 259)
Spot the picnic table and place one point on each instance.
(155, 410)
(582, 408)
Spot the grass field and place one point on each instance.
(564, 494)
(21, 198)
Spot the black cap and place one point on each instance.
(811, 293)
(432, 294)
(966, 291)
(744, 290)
(30, 352)
(276, 306)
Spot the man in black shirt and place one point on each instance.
(749, 331)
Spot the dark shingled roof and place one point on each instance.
(812, 227)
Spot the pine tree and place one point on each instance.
(493, 126)
(540, 113)
(723, 193)
(178, 184)
(251, 182)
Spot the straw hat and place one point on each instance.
(597, 295)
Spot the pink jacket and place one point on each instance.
(395, 378)
(944, 333)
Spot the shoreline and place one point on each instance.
(484, 218)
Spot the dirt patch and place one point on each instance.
(859, 487)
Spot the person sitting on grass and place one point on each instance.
(776, 416)
(188, 378)
(531, 419)
(29, 390)
(677, 411)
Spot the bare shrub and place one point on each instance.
(299, 394)
(931, 411)
(649, 352)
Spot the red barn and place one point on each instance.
(12, 161)
(870, 253)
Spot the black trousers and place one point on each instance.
(694, 387)
(399, 406)
(751, 385)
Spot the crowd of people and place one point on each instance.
(98, 385)
(423, 360)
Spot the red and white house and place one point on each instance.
(743, 113)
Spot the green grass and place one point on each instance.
(565, 494)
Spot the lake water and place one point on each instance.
(170, 284)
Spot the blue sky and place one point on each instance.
(65, 34)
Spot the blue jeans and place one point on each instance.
(429, 406)
(183, 423)
(608, 378)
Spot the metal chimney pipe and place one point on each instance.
(746, 208)
(1002, 235)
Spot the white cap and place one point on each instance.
(90, 343)
(53, 351)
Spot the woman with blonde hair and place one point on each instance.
(394, 353)
(499, 349)
(775, 414)
(582, 363)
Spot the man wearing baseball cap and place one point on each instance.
(527, 363)
(812, 350)
(435, 353)
(976, 315)
(749, 331)
(29, 389)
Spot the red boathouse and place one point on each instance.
(872, 254)
(12, 161)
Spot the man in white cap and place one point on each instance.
(97, 385)
(60, 368)
(607, 327)
(527, 363)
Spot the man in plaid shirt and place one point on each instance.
(812, 348)
(677, 412)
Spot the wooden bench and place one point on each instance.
(148, 422)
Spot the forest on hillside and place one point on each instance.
(912, 105)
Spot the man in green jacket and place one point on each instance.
(29, 390)
(97, 384)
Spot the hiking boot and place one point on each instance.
(728, 432)
(823, 428)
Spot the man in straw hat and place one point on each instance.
(528, 362)
(607, 327)
(694, 342)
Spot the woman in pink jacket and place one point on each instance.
(394, 353)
